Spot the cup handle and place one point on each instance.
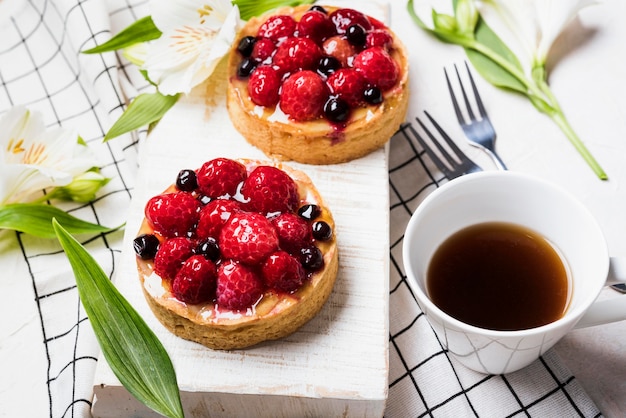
(610, 310)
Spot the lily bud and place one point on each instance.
(83, 188)
(444, 23)
(466, 16)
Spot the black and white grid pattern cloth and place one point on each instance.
(41, 68)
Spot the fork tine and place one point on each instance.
(457, 110)
(449, 141)
(468, 106)
(479, 102)
(431, 154)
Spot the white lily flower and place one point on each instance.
(33, 158)
(535, 24)
(196, 35)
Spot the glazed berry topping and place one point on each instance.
(248, 237)
(356, 35)
(209, 248)
(339, 48)
(264, 85)
(296, 54)
(373, 95)
(220, 177)
(246, 67)
(344, 18)
(240, 242)
(336, 110)
(303, 95)
(238, 286)
(378, 68)
(311, 258)
(196, 280)
(349, 85)
(316, 26)
(328, 65)
(146, 246)
(246, 45)
(277, 27)
(319, 9)
(293, 231)
(322, 231)
(309, 212)
(263, 50)
(171, 256)
(186, 181)
(172, 214)
(268, 190)
(380, 38)
(283, 272)
(214, 216)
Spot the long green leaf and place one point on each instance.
(36, 219)
(142, 30)
(133, 351)
(144, 110)
(251, 8)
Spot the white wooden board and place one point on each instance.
(337, 364)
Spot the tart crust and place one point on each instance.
(276, 315)
(315, 142)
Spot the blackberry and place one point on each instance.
(309, 212)
(246, 45)
(246, 67)
(209, 248)
(336, 110)
(311, 258)
(322, 231)
(373, 95)
(328, 65)
(356, 35)
(319, 9)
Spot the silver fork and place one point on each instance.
(479, 132)
(453, 164)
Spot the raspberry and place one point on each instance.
(316, 26)
(339, 48)
(296, 54)
(214, 216)
(263, 86)
(277, 27)
(195, 282)
(269, 189)
(303, 96)
(348, 84)
(344, 18)
(171, 256)
(248, 237)
(263, 49)
(282, 272)
(380, 38)
(220, 177)
(378, 68)
(293, 232)
(172, 214)
(238, 286)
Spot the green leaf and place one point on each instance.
(36, 219)
(133, 351)
(142, 30)
(251, 8)
(144, 110)
(489, 69)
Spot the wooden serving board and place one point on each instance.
(337, 364)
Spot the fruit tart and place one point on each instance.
(317, 85)
(237, 252)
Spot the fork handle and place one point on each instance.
(497, 160)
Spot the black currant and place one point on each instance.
(209, 248)
(311, 258)
(322, 231)
(328, 65)
(356, 35)
(246, 67)
(146, 246)
(319, 9)
(186, 180)
(336, 110)
(309, 212)
(373, 95)
(246, 45)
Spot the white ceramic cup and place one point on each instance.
(505, 196)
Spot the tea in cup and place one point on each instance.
(504, 265)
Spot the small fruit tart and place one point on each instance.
(236, 253)
(317, 85)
